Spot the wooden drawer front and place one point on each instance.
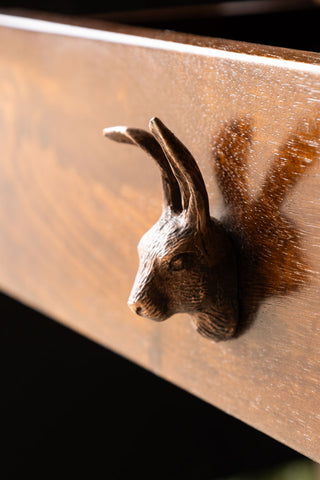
(73, 205)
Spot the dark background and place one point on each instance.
(72, 409)
(85, 6)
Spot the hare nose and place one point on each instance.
(135, 307)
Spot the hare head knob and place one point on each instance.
(187, 261)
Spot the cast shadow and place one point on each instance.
(268, 243)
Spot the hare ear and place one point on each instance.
(187, 173)
(144, 140)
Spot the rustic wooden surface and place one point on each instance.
(73, 206)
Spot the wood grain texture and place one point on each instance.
(73, 206)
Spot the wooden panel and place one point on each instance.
(73, 205)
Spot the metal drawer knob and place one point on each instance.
(187, 261)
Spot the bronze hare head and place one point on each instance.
(187, 261)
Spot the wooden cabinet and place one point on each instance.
(73, 205)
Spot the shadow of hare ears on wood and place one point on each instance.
(267, 242)
(188, 260)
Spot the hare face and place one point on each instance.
(186, 261)
(171, 264)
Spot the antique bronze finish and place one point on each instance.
(187, 261)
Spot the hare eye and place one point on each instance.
(181, 261)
